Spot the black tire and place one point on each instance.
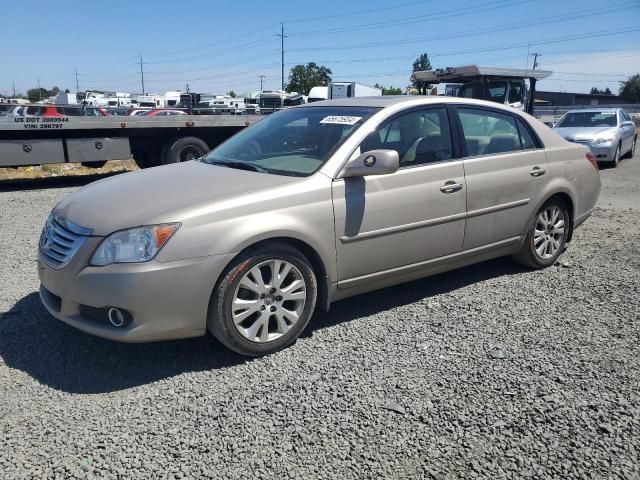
(616, 157)
(183, 150)
(94, 164)
(632, 152)
(528, 255)
(148, 156)
(220, 322)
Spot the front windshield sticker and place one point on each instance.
(341, 120)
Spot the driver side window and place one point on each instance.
(419, 137)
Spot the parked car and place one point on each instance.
(609, 133)
(164, 113)
(310, 205)
(139, 112)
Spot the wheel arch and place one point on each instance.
(310, 253)
(569, 202)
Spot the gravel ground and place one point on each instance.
(494, 371)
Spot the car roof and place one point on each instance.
(595, 110)
(390, 100)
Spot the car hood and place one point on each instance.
(584, 133)
(157, 195)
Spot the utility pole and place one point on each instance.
(141, 74)
(187, 88)
(77, 87)
(535, 60)
(13, 84)
(39, 89)
(262, 77)
(282, 37)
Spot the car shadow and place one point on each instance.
(66, 359)
(53, 182)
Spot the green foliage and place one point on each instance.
(231, 94)
(302, 78)
(421, 63)
(37, 94)
(630, 89)
(596, 91)
(389, 91)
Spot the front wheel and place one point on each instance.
(264, 301)
(616, 157)
(632, 152)
(547, 236)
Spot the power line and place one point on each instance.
(361, 12)
(433, 16)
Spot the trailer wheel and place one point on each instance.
(147, 157)
(184, 149)
(94, 164)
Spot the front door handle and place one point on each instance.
(537, 172)
(451, 187)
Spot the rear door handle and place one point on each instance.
(450, 187)
(537, 172)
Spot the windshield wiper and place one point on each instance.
(239, 165)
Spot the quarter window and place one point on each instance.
(488, 132)
(525, 136)
(419, 137)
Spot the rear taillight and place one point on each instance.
(592, 159)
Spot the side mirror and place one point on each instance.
(629, 123)
(373, 162)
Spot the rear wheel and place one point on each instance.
(183, 150)
(547, 236)
(632, 152)
(264, 301)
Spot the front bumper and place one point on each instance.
(166, 300)
(603, 152)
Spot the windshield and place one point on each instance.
(588, 119)
(293, 142)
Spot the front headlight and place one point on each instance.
(135, 245)
(600, 140)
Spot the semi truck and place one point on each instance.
(510, 86)
(150, 141)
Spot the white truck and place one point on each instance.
(510, 86)
(351, 89)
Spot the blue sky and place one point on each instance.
(216, 46)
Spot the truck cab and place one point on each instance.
(509, 86)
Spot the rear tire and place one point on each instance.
(547, 235)
(632, 152)
(254, 311)
(184, 149)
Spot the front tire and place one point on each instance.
(264, 300)
(616, 157)
(632, 152)
(547, 236)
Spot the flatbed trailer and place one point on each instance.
(92, 141)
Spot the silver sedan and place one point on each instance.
(609, 133)
(311, 205)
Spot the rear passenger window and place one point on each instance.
(488, 133)
(525, 136)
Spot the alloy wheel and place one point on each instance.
(268, 301)
(549, 232)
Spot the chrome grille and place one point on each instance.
(60, 240)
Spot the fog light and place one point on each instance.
(116, 317)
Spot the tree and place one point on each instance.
(389, 91)
(231, 94)
(302, 78)
(421, 63)
(37, 94)
(630, 89)
(596, 91)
